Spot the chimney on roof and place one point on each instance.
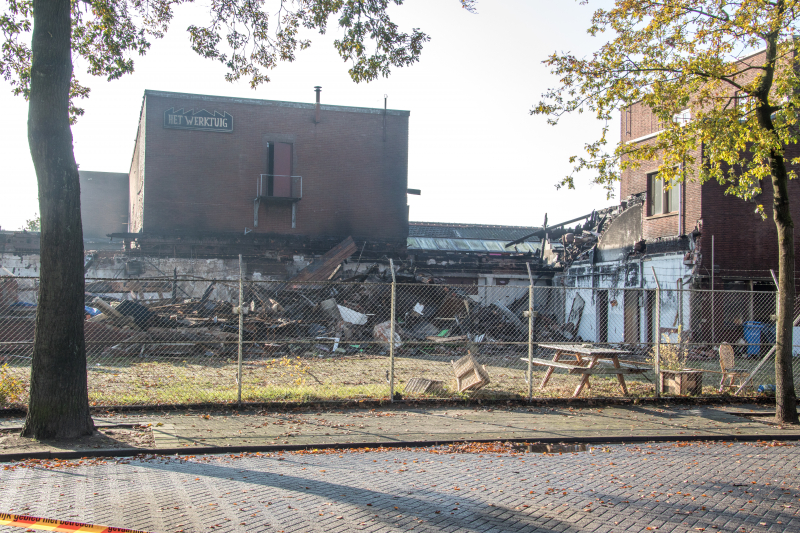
(317, 89)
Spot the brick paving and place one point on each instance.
(675, 487)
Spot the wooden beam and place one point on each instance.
(548, 362)
(608, 370)
(321, 269)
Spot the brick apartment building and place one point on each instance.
(675, 233)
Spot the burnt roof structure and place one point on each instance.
(444, 230)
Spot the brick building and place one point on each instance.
(275, 181)
(674, 232)
(281, 183)
(209, 164)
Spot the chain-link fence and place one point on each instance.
(189, 340)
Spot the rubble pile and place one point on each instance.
(319, 319)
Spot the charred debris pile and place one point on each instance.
(319, 319)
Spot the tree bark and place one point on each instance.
(785, 397)
(59, 404)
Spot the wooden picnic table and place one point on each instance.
(596, 355)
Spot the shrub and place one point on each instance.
(673, 354)
(11, 388)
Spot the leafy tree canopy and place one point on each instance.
(670, 55)
(249, 37)
(734, 66)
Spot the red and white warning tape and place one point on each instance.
(31, 522)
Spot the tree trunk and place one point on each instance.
(59, 404)
(785, 398)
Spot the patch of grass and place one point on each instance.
(138, 380)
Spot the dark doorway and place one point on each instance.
(602, 316)
(632, 313)
(279, 170)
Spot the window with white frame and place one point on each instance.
(660, 199)
(682, 117)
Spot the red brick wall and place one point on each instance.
(635, 122)
(744, 245)
(354, 183)
(635, 182)
(720, 214)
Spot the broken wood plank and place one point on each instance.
(324, 267)
(548, 362)
(436, 339)
(608, 370)
(423, 386)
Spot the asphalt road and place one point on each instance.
(661, 487)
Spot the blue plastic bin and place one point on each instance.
(752, 336)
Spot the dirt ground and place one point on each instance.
(140, 436)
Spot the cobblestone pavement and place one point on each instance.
(179, 430)
(665, 487)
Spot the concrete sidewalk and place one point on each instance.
(229, 430)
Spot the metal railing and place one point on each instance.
(279, 186)
(155, 341)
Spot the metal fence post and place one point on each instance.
(657, 320)
(391, 335)
(241, 328)
(713, 307)
(530, 334)
(175, 285)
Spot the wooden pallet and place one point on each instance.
(470, 375)
(423, 386)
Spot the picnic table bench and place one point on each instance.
(598, 359)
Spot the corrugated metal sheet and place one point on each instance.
(470, 245)
(470, 231)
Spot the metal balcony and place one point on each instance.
(277, 188)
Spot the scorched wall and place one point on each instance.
(189, 181)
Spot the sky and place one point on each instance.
(475, 152)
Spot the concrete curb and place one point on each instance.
(228, 450)
(7, 412)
